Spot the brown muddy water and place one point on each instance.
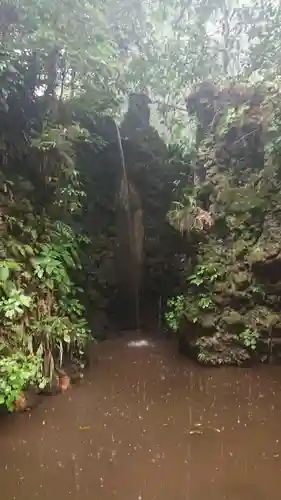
(147, 424)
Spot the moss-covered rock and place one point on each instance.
(241, 279)
(232, 317)
(243, 243)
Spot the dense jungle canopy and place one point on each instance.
(201, 177)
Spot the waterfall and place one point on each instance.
(130, 236)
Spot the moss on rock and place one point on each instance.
(241, 182)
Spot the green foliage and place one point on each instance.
(237, 307)
(42, 318)
(249, 338)
(200, 291)
(73, 43)
(40, 305)
(197, 299)
(17, 372)
(14, 303)
(204, 275)
(205, 302)
(63, 61)
(175, 313)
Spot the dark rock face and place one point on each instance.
(145, 145)
(137, 116)
(150, 181)
(134, 250)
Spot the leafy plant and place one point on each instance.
(204, 274)
(17, 372)
(175, 313)
(205, 302)
(57, 77)
(249, 338)
(14, 305)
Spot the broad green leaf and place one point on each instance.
(4, 273)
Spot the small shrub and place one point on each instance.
(175, 313)
(17, 372)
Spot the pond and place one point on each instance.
(148, 424)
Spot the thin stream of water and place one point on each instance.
(127, 207)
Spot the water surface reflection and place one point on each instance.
(148, 424)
